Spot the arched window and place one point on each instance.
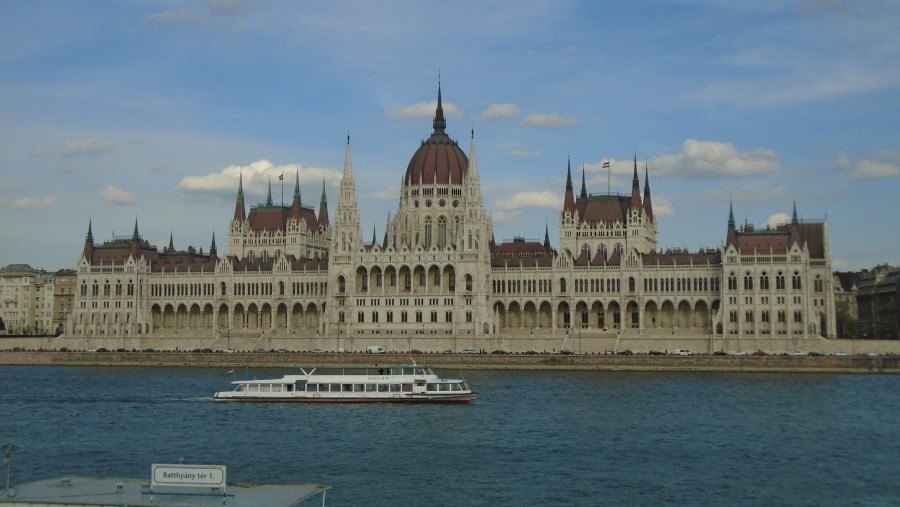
(428, 232)
(795, 281)
(748, 281)
(442, 232)
(764, 281)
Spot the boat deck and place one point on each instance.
(103, 491)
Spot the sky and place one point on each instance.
(149, 110)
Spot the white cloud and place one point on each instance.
(519, 200)
(515, 151)
(500, 111)
(115, 195)
(35, 202)
(866, 169)
(505, 216)
(662, 207)
(777, 219)
(257, 176)
(93, 148)
(842, 163)
(424, 110)
(705, 159)
(387, 194)
(552, 121)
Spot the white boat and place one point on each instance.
(354, 384)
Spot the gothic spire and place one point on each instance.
(795, 221)
(648, 207)
(569, 201)
(212, 247)
(323, 207)
(584, 194)
(546, 236)
(135, 236)
(732, 229)
(171, 243)
(635, 188)
(269, 196)
(239, 212)
(89, 243)
(439, 123)
(297, 186)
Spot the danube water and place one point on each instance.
(532, 437)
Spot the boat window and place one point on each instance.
(382, 388)
(311, 388)
(445, 387)
(358, 388)
(370, 388)
(407, 388)
(395, 388)
(335, 388)
(347, 388)
(457, 387)
(421, 371)
(300, 385)
(432, 387)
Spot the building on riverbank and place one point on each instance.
(437, 279)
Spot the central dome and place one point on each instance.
(439, 160)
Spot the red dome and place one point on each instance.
(439, 160)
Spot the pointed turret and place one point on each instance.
(732, 229)
(648, 207)
(584, 194)
(323, 207)
(269, 196)
(635, 203)
(569, 201)
(546, 237)
(135, 242)
(213, 252)
(171, 247)
(296, 203)
(373, 235)
(239, 213)
(795, 227)
(89, 242)
(439, 123)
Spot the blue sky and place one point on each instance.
(114, 111)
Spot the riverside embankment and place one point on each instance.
(812, 364)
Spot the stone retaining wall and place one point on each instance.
(859, 364)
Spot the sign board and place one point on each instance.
(193, 476)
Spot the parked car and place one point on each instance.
(815, 354)
(499, 351)
(720, 353)
(626, 352)
(471, 351)
(760, 353)
(529, 353)
(655, 352)
(565, 352)
(415, 351)
(681, 352)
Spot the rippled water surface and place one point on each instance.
(539, 438)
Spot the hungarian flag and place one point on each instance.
(281, 177)
(606, 164)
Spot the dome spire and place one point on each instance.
(440, 124)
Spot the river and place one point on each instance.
(532, 437)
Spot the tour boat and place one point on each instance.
(354, 384)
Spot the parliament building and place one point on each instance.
(295, 278)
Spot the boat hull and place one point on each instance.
(460, 399)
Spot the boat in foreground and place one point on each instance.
(354, 384)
